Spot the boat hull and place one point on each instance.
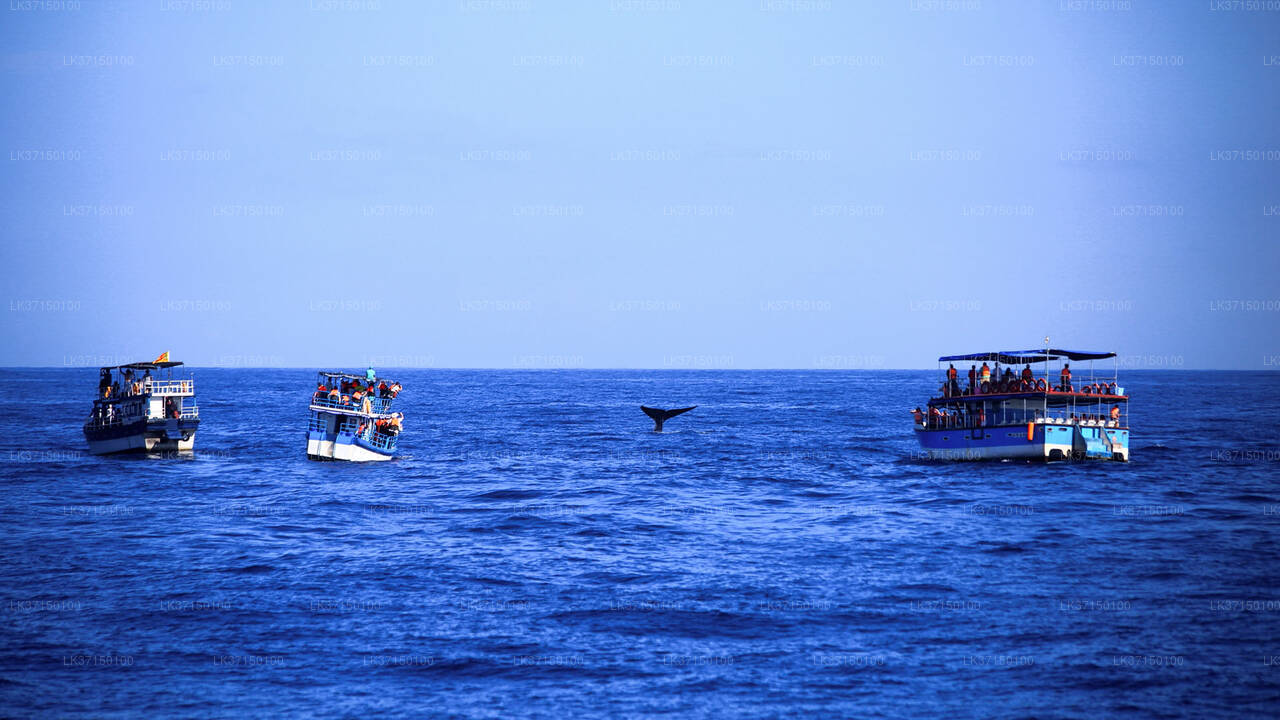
(144, 437)
(341, 448)
(1048, 441)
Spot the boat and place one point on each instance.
(351, 422)
(1021, 413)
(142, 407)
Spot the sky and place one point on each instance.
(639, 184)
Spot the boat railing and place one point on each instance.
(189, 412)
(974, 422)
(377, 405)
(104, 422)
(380, 441)
(169, 387)
(1035, 386)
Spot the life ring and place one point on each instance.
(1111, 389)
(1026, 385)
(986, 387)
(1040, 385)
(1085, 390)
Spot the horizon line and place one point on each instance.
(583, 367)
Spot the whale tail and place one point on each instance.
(660, 416)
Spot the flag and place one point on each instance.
(164, 357)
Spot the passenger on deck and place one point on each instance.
(370, 375)
(918, 416)
(1065, 377)
(985, 372)
(935, 417)
(321, 391)
(383, 389)
(1115, 413)
(104, 383)
(395, 389)
(973, 378)
(334, 395)
(1027, 375)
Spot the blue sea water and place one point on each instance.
(537, 551)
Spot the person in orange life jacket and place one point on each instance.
(1065, 376)
(1115, 413)
(1026, 372)
(985, 372)
(918, 416)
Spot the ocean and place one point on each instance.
(537, 551)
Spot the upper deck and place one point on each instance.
(1028, 375)
(119, 382)
(1051, 396)
(377, 407)
(335, 393)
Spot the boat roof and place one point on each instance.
(1015, 357)
(347, 375)
(143, 365)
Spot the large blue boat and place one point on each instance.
(351, 418)
(1005, 409)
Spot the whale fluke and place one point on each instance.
(660, 416)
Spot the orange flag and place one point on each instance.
(164, 357)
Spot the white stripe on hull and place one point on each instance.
(1025, 451)
(329, 450)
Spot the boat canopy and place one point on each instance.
(143, 365)
(1018, 357)
(336, 374)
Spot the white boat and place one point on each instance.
(142, 407)
(351, 419)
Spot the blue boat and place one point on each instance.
(351, 418)
(142, 407)
(1008, 410)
